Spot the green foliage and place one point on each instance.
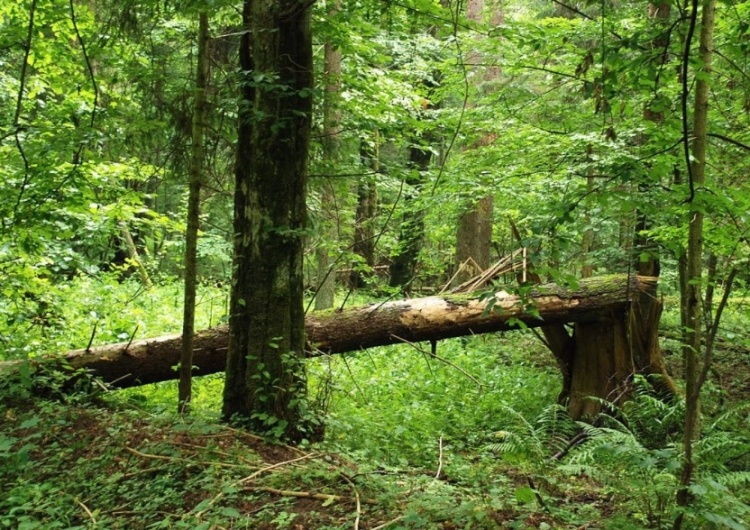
(398, 415)
(398, 419)
(98, 310)
(578, 132)
(524, 441)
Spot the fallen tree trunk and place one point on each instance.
(432, 318)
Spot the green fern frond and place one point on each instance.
(724, 417)
(734, 479)
(581, 470)
(612, 447)
(547, 434)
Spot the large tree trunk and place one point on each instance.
(474, 239)
(265, 381)
(599, 360)
(644, 318)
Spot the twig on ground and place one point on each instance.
(538, 496)
(113, 383)
(143, 512)
(356, 496)
(261, 439)
(388, 523)
(188, 460)
(86, 509)
(309, 495)
(441, 359)
(440, 458)
(100, 384)
(214, 451)
(253, 476)
(147, 455)
(140, 472)
(577, 439)
(354, 379)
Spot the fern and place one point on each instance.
(735, 479)
(548, 434)
(636, 450)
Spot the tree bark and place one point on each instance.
(474, 238)
(325, 289)
(474, 233)
(193, 216)
(265, 381)
(598, 354)
(324, 294)
(695, 371)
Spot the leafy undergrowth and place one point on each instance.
(94, 466)
(469, 439)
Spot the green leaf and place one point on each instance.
(31, 422)
(7, 443)
(228, 511)
(525, 495)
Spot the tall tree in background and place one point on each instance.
(647, 309)
(331, 146)
(411, 233)
(474, 232)
(265, 382)
(193, 214)
(367, 204)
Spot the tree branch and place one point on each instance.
(729, 140)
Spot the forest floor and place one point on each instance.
(410, 444)
(91, 465)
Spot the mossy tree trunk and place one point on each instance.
(602, 358)
(265, 382)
